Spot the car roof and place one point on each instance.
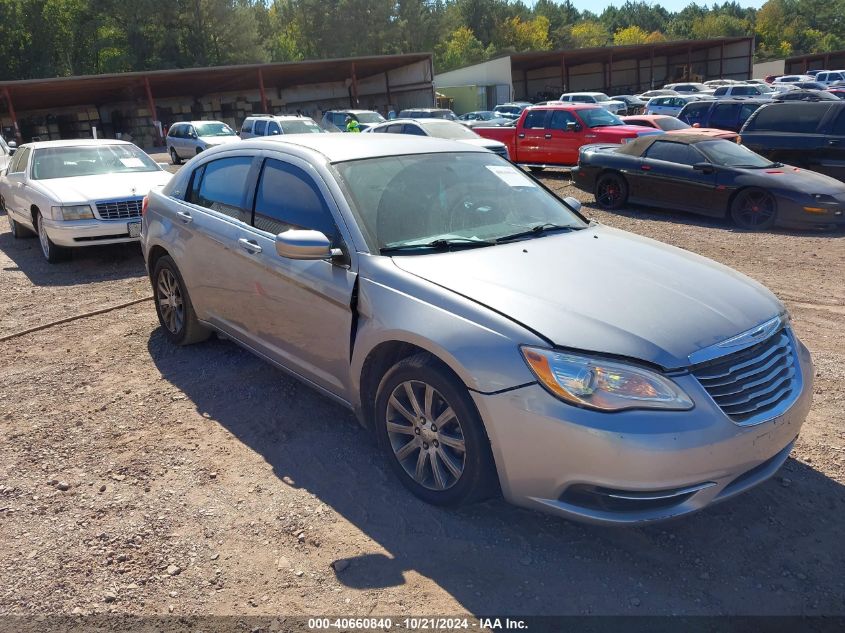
(197, 122)
(345, 147)
(637, 146)
(348, 110)
(282, 117)
(78, 142)
(564, 105)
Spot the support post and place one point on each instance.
(689, 63)
(722, 60)
(12, 114)
(525, 84)
(639, 80)
(151, 104)
(387, 90)
(264, 108)
(651, 71)
(563, 74)
(827, 60)
(354, 87)
(609, 86)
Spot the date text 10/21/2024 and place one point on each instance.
(416, 624)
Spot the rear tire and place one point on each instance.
(173, 305)
(611, 191)
(432, 435)
(18, 230)
(754, 209)
(51, 252)
(174, 157)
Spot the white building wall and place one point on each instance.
(493, 73)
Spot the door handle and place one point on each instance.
(250, 246)
(522, 135)
(833, 142)
(185, 216)
(547, 136)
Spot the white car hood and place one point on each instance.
(486, 143)
(213, 141)
(82, 189)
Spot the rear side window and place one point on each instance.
(247, 126)
(222, 187)
(673, 153)
(535, 119)
(260, 128)
(694, 112)
(273, 129)
(720, 92)
(174, 131)
(560, 119)
(19, 161)
(288, 198)
(413, 129)
(800, 118)
(724, 114)
(746, 110)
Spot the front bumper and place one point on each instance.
(633, 466)
(89, 232)
(791, 213)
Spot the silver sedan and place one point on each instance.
(489, 335)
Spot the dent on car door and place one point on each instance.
(218, 201)
(300, 311)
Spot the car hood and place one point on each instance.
(213, 141)
(81, 189)
(803, 180)
(627, 131)
(604, 290)
(482, 142)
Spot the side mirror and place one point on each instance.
(696, 124)
(705, 168)
(573, 203)
(12, 150)
(571, 126)
(303, 244)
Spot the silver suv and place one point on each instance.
(188, 138)
(278, 124)
(489, 335)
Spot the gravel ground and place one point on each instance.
(142, 479)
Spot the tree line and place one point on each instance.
(50, 38)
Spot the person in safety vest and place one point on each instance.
(352, 125)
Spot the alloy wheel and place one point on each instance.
(170, 302)
(610, 192)
(43, 238)
(754, 209)
(426, 435)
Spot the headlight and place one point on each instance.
(603, 385)
(76, 212)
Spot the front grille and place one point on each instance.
(120, 209)
(753, 382)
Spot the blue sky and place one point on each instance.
(597, 6)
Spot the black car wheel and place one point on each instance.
(174, 157)
(754, 209)
(611, 191)
(432, 435)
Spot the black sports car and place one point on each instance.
(714, 177)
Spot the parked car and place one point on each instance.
(486, 333)
(478, 115)
(439, 128)
(827, 77)
(715, 83)
(727, 114)
(186, 139)
(484, 117)
(672, 125)
(633, 105)
(790, 79)
(657, 93)
(690, 88)
(599, 98)
(806, 95)
(707, 176)
(813, 73)
(427, 113)
(552, 134)
(335, 120)
(810, 85)
(734, 91)
(511, 110)
(808, 135)
(84, 192)
(671, 106)
(837, 92)
(278, 124)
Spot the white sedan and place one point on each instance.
(83, 192)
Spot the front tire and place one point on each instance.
(174, 157)
(173, 305)
(51, 252)
(754, 210)
(611, 191)
(432, 435)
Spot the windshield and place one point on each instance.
(300, 126)
(67, 162)
(671, 123)
(447, 129)
(214, 129)
(598, 117)
(722, 152)
(763, 88)
(600, 97)
(420, 198)
(369, 117)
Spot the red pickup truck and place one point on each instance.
(551, 135)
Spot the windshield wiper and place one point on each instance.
(440, 244)
(537, 230)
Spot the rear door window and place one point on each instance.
(799, 118)
(273, 129)
(560, 120)
(720, 92)
(288, 198)
(694, 112)
(223, 187)
(247, 126)
(724, 114)
(536, 119)
(416, 130)
(673, 153)
(261, 127)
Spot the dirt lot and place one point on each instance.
(138, 478)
